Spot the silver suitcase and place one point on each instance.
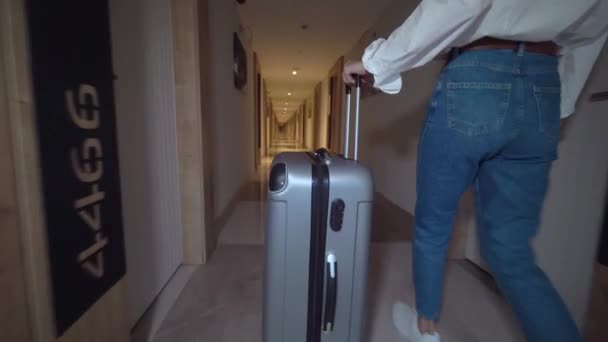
(317, 245)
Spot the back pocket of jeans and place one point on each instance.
(477, 108)
(548, 103)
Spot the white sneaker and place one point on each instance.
(405, 320)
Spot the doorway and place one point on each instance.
(257, 95)
(335, 134)
(317, 117)
(603, 246)
(304, 126)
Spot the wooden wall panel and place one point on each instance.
(188, 115)
(337, 117)
(13, 311)
(207, 124)
(194, 127)
(142, 47)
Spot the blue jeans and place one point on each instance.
(493, 123)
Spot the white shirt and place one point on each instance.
(579, 27)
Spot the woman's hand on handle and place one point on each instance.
(351, 69)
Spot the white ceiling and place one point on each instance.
(334, 26)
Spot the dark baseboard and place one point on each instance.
(595, 328)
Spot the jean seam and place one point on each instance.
(483, 240)
(479, 209)
(434, 101)
(542, 129)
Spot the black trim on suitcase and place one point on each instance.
(318, 235)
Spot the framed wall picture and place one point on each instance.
(239, 63)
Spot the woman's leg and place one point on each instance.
(445, 171)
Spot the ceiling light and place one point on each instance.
(295, 72)
(288, 94)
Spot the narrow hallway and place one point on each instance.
(137, 138)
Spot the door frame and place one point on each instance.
(317, 116)
(304, 125)
(336, 107)
(330, 99)
(257, 111)
(191, 49)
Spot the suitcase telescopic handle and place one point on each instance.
(348, 109)
(331, 293)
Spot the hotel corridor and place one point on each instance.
(136, 140)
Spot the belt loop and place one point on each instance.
(521, 48)
(454, 52)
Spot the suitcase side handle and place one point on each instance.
(331, 293)
(348, 110)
